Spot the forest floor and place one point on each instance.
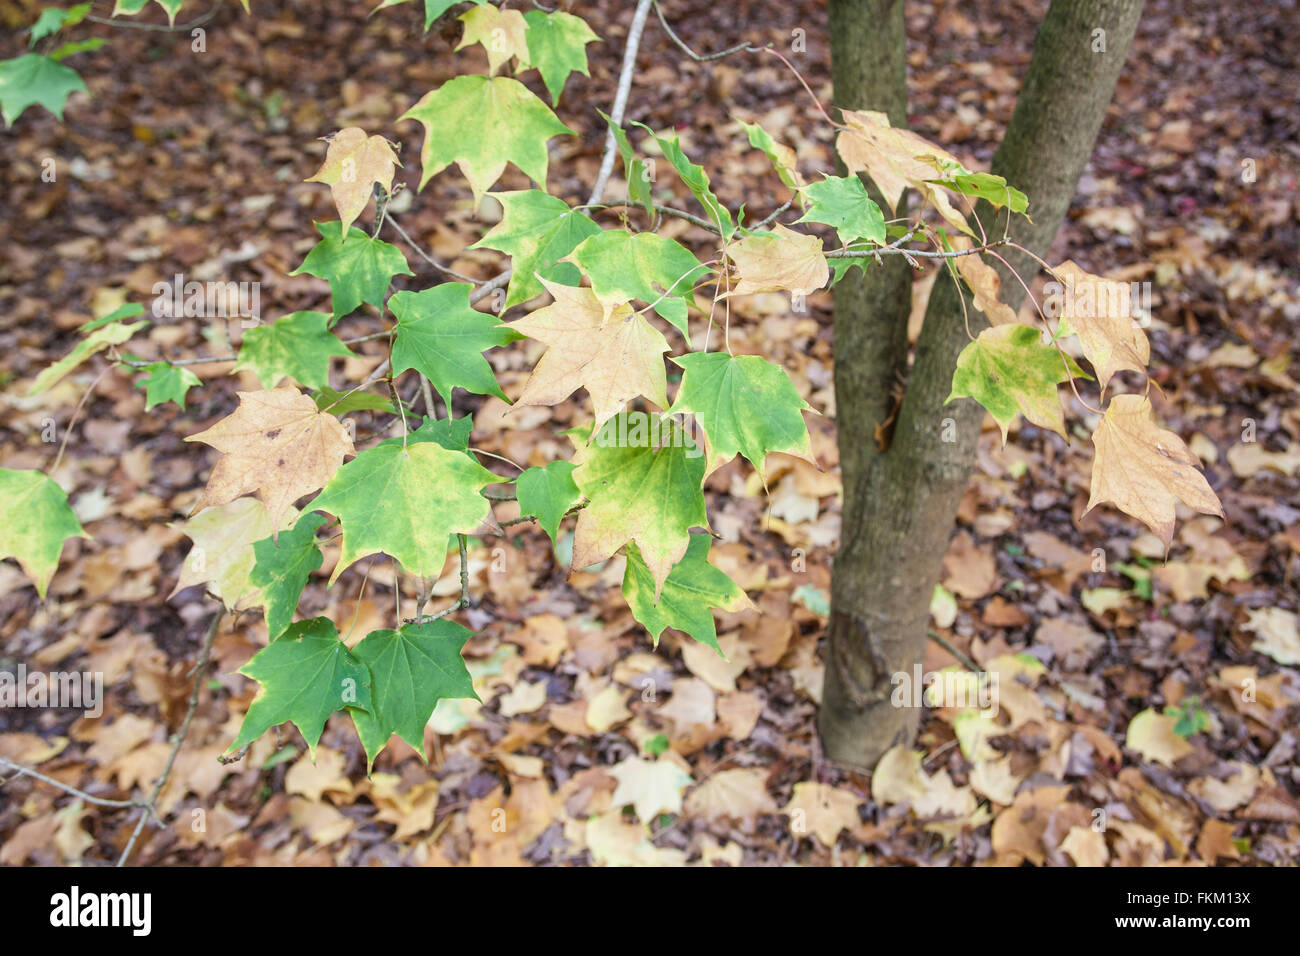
(193, 163)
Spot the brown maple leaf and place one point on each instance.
(780, 260)
(896, 159)
(275, 445)
(1142, 468)
(354, 162)
(614, 359)
(1099, 311)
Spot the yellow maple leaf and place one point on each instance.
(1152, 735)
(502, 33)
(822, 810)
(354, 162)
(739, 794)
(222, 556)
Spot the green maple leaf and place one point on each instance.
(306, 674)
(548, 493)
(645, 266)
(557, 46)
(992, 189)
(635, 172)
(35, 80)
(693, 587)
(441, 335)
(166, 383)
(842, 202)
(433, 9)
(37, 520)
(1008, 369)
(131, 7)
(52, 20)
(282, 565)
(480, 124)
(127, 310)
(406, 503)
(840, 267)
(358, 270)
(642, 476)
(782, 157)
(696, 180)
(340, 403)
(744, 404)
(450, 433)
(536, 231)
(297, 345)
(411, 669)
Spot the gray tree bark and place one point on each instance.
(900, 504)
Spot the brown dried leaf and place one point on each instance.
(277, 445)
(1141, 468)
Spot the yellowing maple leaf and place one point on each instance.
(223, 556)
(500, 31)
(1099, 311)
(896, 159)
(614, 359)
(276, 445)
(354, 162)
(780, 259)
(1141, 468)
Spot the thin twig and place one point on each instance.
(100, 801)
(199, 669)
(665, 210)
(67, 432)
(620, 97)
(490, 286)
(705, 58)
(424, 255)
(772, 218)
(158, 27)
(944, 643)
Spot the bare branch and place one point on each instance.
(620, 97)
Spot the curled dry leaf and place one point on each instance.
(985, 284)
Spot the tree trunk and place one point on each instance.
(899, 505)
